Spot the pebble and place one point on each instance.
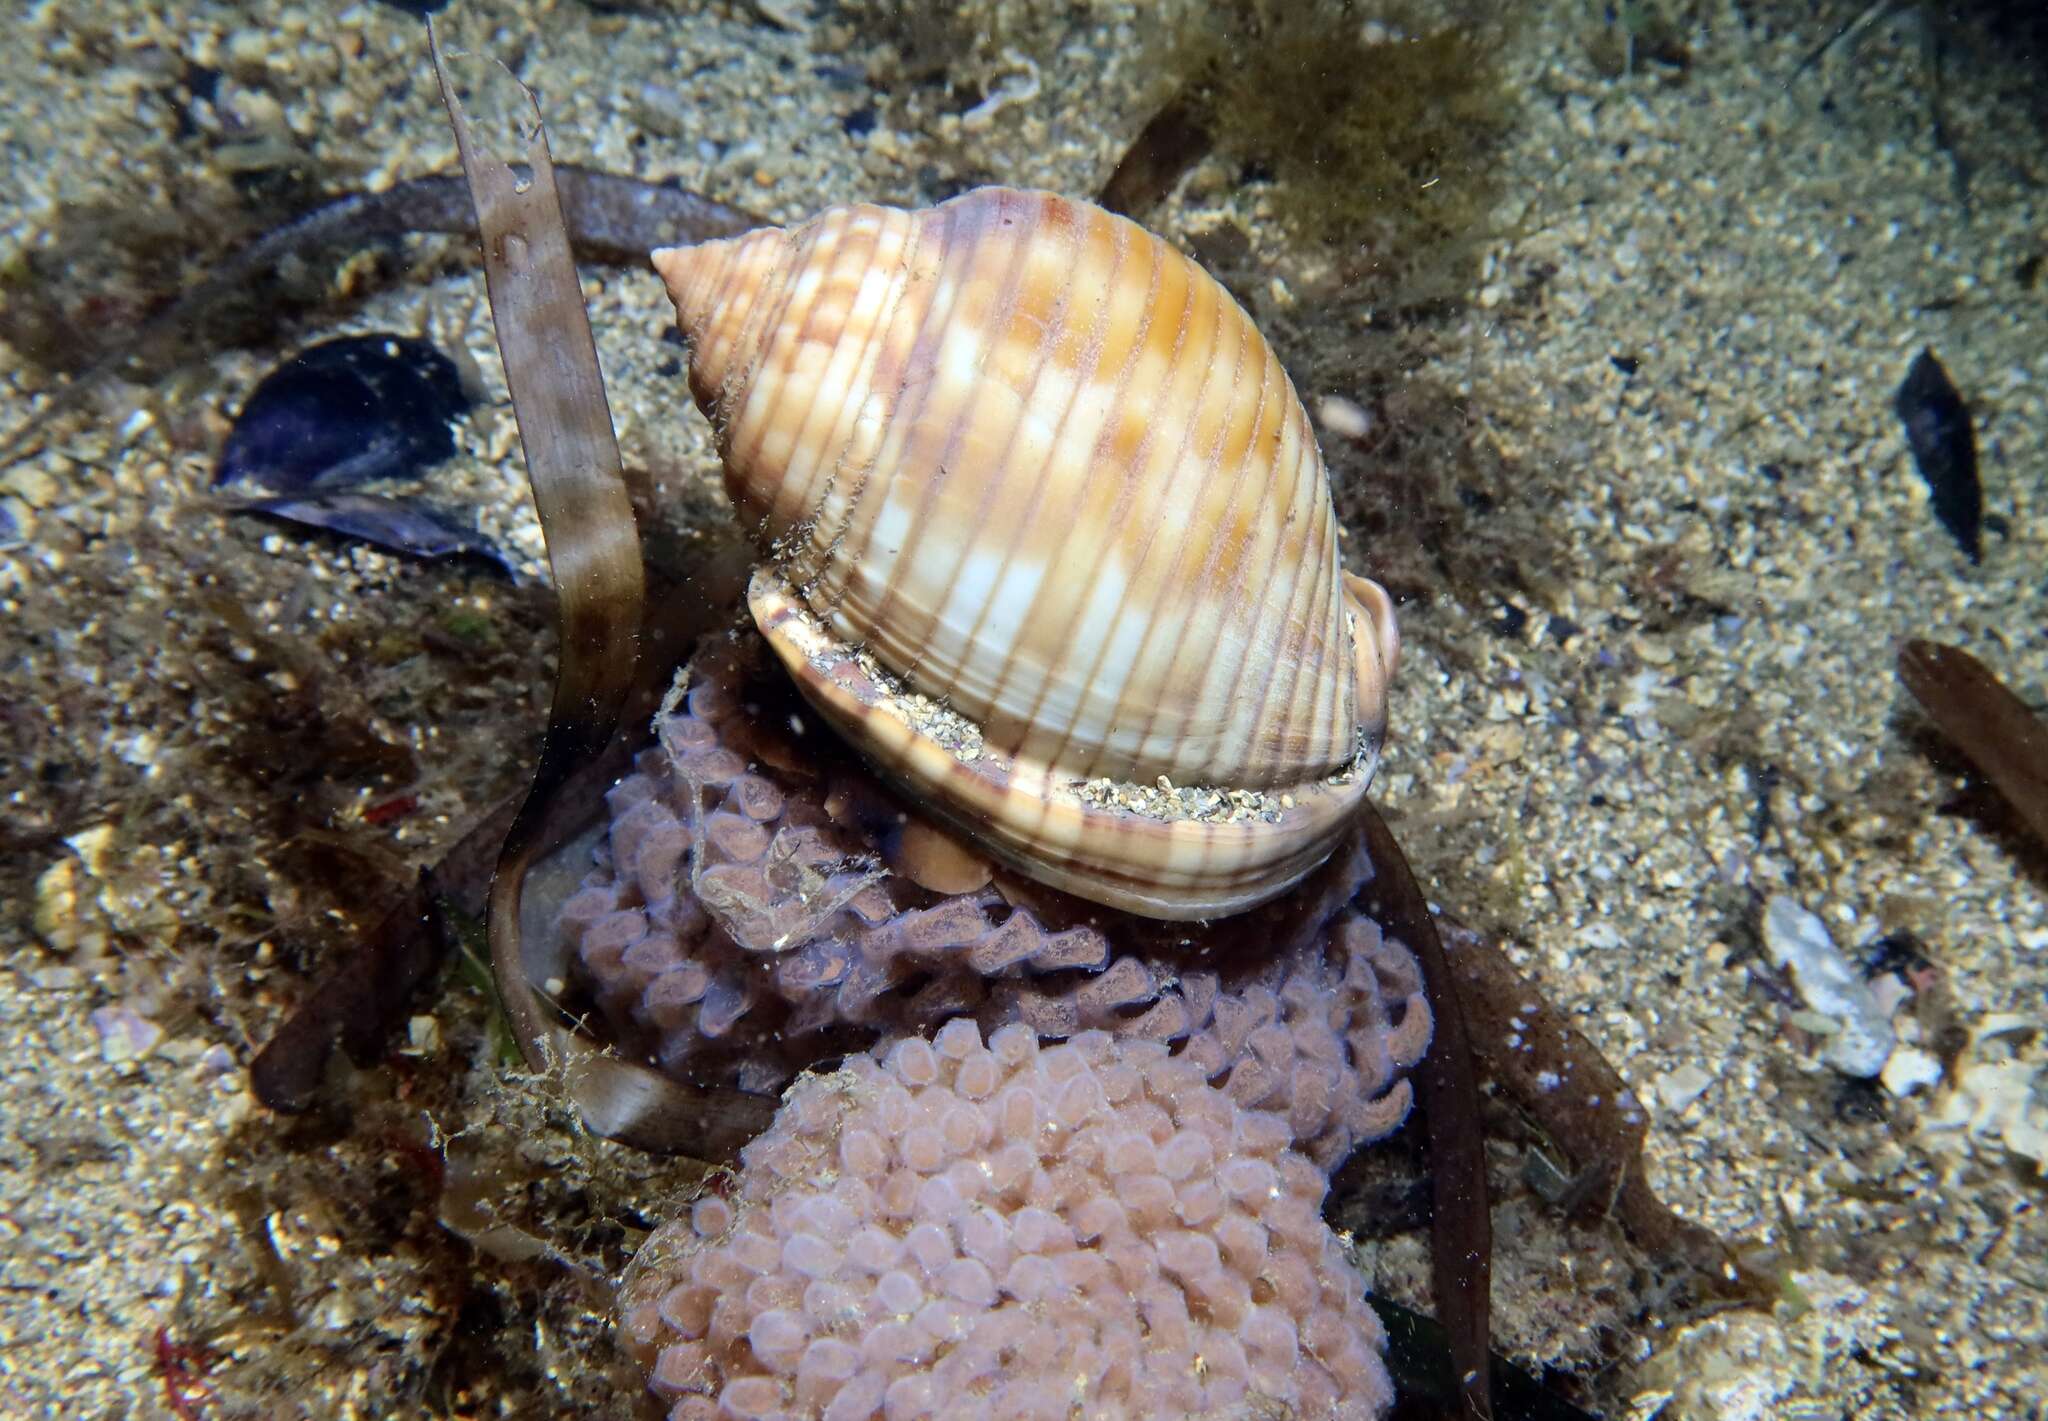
(1679, 1088)
(1910, 1069)
(1343, 419)
(125, 1034)
(423, 1035)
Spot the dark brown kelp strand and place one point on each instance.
(2005, 740)
(1533, 1053)
(363, 998)
(1418, 1358)
(1461, 1229)
(620, 219)
(1171, 142)
(579, 489)
(611, 219)
(357, 1001)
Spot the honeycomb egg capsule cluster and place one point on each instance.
(734, 932)
(1009, 1230)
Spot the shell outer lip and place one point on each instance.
(1052, 827)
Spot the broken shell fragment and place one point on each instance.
(1046, 535)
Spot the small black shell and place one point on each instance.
(343, 413)
(1944, 445)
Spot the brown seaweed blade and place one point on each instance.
(1461, 1229)
(1419, 1360)
(579, 490)
(2005, 740)
(1531, 1051)
(357, 1001)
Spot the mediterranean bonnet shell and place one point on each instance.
(1048, 537)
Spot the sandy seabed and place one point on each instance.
(1705, 286)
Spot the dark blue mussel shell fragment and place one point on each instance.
(1944, 448)
(344, 413)
(393, 523)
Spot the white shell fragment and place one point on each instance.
(1861, 1039)
(1998, 1092)
(1048, 536)
(1909, 1069)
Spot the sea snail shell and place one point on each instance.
(1048, 537)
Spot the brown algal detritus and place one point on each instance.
(1461, 1225)
(1560, 1079)
(362, 999)
(1173, 140)
(2004, 739)
(532, 214)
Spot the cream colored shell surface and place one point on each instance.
(1043, 473)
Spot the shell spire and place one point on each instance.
(1048, 535)
(714, 285)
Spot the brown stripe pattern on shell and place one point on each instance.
(1048, 535)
